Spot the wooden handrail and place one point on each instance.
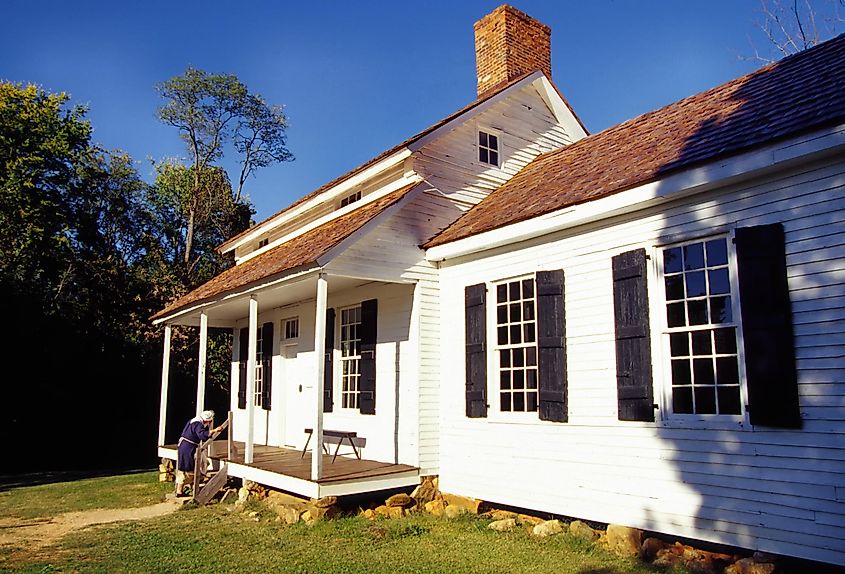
(201, 448)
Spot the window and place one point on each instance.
(700, 333)
(290, 328)
(516, 345)
(488, 148)
(263, 243)
(350, 356)
(350, 199)
(259, 369)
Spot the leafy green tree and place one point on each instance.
(260, 137)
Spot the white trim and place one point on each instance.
(165, 377)
(201, 366)
(681, 184)
(329, 195)
(250, 379)
(563, 114)
(320, 369)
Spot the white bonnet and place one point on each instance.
(207, 415)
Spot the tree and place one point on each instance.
(210, 110)
(790, 26)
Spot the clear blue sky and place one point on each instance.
(358, 77)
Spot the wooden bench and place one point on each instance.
(349, 436)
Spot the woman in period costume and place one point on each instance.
(196, 430)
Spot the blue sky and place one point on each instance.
(358, 77)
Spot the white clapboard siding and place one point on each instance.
(777, 490)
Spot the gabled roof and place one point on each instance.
(299, 252)
(798, 93)
(405, 144)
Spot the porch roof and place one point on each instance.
(301, 252)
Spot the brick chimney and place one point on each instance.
(508, 44)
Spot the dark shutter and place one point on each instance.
(328, 364)
(551, 346)
(243, 351)
(367, 380)
(475, 297)
(767, 327)
(267, 364)
(633, 346)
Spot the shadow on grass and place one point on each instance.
(10, 481)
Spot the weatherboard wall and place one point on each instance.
(781, 491)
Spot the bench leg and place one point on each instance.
(305, 448)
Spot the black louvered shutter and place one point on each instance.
(633, 345)
(475, 298)
(267, 364)
(328, 364)
(243, 351)
(767, 327)
(551, 346)
(367, 380)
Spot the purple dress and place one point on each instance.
(193, 433)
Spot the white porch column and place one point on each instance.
(319, 356)
(202, 360)
(250, 378)
(165, 376)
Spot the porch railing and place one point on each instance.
(206, 445)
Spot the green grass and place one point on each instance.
(126, 491)
(212, 539)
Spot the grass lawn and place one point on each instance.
(214, 540)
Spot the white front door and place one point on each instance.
(295, 407)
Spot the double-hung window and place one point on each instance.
(488, 148)
(516, 345)
(700, 328)
(258, 397)
(350, 356)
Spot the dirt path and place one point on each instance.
(31, 535)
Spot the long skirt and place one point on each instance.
(187, 452)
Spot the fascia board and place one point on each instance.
(687, 182)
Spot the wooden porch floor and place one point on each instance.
(290, 462)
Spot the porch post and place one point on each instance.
(250, 378)
(202, 360)
(319, 356)
(165, 376)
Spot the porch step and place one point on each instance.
(213, 486)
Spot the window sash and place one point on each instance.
(350, 356)
(488, 148)
(515, 381)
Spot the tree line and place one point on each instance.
(89, 250)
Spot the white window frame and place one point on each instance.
(478, 147)
(350, 199)
(495, 412)
(660, 331)
(354, 359)
(257, 398)
(284, 329)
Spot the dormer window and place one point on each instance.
(263, 243)
(350, 199)
(488, 148)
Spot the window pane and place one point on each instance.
(518, 402)
(516, 334)
(728, 400)
(719, 282)
(531, 379)
(679, 344)
(697, 312)
(492, 142)
(501, 293)
(675, 315)
(720, 310)
(717, 252)
(705, 400)
(528, 310)
(693, 256)
(726, 371)
(505, 380)
(518, 379)
(482, 139)
(531, 356)
(701, 343)
(483, 155)
(518, 357)
(672, 260)
(501, 314)
(725, 340)
(503, 335)
(506, 401)
(674, 287)
(494, 158)
(528, 288)
(680, 372)
(516, 312)
(695, 284)
(513, 288)
(532, 402)
(703, 371)
(504, 358)
(682, 400)
(529, 332)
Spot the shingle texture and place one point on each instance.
(799, 93)
(300, 251)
